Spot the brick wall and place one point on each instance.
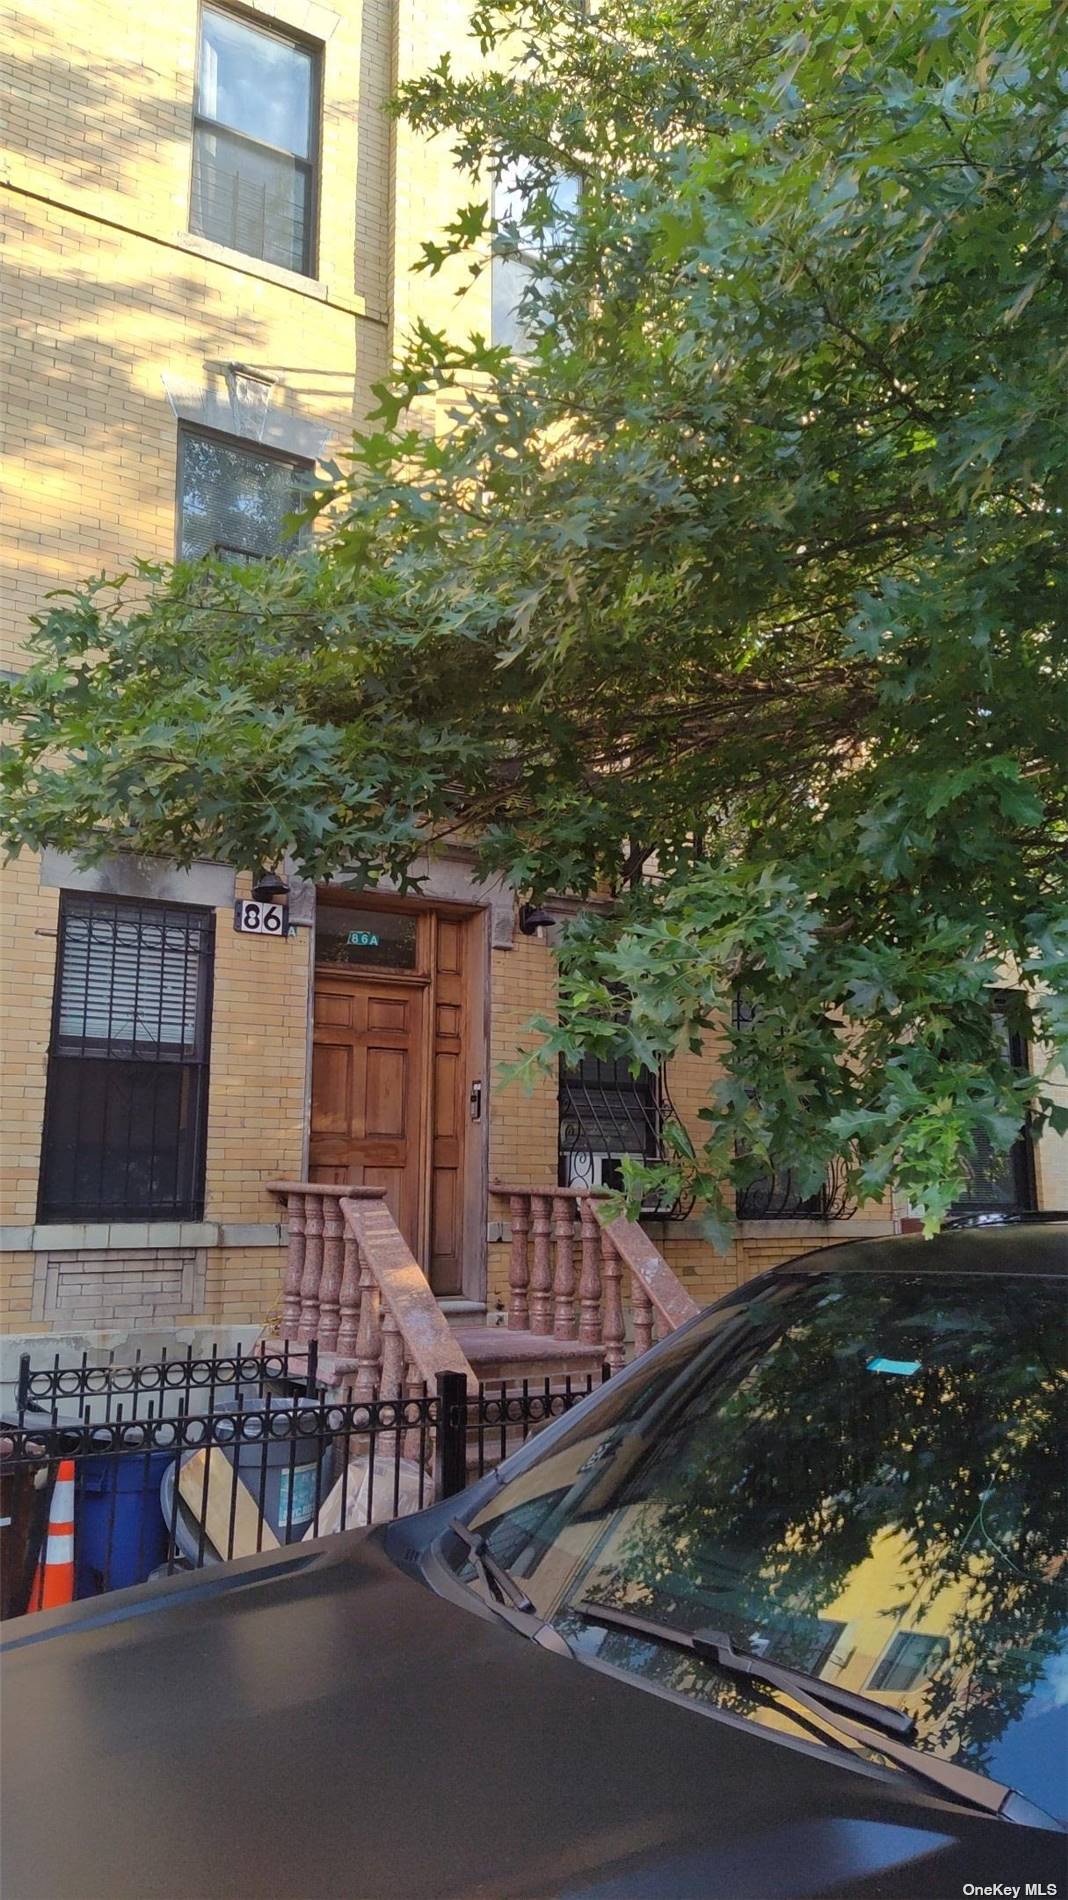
(27, 963)
(120, 322)
(256, 1098)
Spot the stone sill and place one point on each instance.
(314, 287)
(61, 1237)
(499, 1232)
(857, 1228)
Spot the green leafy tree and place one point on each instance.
(738, 602)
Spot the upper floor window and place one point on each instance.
(521, 251)
(908, 1658)
(234, 501)
(254, 142)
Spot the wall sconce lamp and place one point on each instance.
(269, 888)
(533, 917)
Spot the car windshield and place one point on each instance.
(861, 1477)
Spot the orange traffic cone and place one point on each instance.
(54, 1581)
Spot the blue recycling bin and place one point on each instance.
(120, 1535)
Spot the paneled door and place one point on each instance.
(367, 1090)
(392, 1096)
(449, 1118)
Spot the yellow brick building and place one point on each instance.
(211, 231)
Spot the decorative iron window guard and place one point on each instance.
(775, 1197)
(607, 1114)
(998, 1183)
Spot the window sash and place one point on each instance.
(124, 1140)
(909, 1656)
(1003, 1183)
(230, 206)
(230, 224)
(129, 984)
(282, 69)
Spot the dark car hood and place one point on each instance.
(323, 1724)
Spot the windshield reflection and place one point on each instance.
(868, 1487)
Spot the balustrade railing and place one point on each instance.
(353, 1285)
(619, 1268)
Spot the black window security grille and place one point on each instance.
(235, 502)
(605, 1114)
(127, 1093)
(254, 142)
(1002, 1183)
(775, 1193)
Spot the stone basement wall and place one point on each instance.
(102, 1287)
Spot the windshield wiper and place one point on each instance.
(857, 1716)
(506, 1594)
(497, 1580)
(714, 1646)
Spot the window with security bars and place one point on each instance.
(606, 1114)
(235, 502)
(774, 1194)
(254, 142)
(127, 1096)
(1002, 1183)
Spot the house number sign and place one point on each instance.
(263, 920)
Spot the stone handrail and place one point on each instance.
(352, 1284)
(546, 1296)
(408, 1335)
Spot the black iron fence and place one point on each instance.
(180, 1462)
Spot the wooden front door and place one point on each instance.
(367, 1093)
(390, 1072)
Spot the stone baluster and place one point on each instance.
(393, 1353)
(294, 1267)
(590, 1277)
(313, 1268)
(518, 1265)
(349, 1297)
(368, 1339)
(642, 1308)
(611, 1274)
(541, 1275)
(330, 1284)
(565, 1325)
